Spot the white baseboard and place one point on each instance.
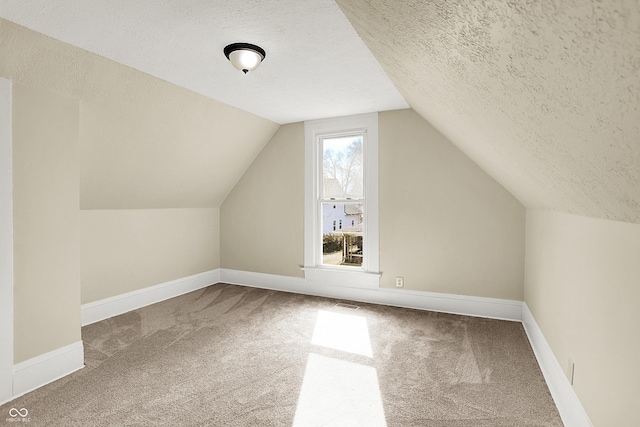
(46, 368)
(569, 406)
(103, 309)
(448, 303)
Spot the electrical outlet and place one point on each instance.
(571, 367)
(399, 282)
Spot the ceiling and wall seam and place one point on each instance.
(144, 143)
(544, 96)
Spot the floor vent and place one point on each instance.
(349, 306)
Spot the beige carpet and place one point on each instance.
(234, 356)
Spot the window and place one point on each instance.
(341, 168)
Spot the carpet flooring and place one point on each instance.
(229, 355)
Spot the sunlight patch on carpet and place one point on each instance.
(339, 393)
(345, 332)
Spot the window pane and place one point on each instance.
(342, 246)
(342, 168)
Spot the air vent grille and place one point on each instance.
(349, 306)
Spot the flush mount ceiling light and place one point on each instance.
(244, 56)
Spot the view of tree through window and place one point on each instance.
(342, 200)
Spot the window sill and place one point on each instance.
(345, 277)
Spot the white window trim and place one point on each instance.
(367, 276)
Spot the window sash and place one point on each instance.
(361, 176)
(335, 225)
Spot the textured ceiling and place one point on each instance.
(317, 66)
(544, 95)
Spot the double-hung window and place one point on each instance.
(341, 187)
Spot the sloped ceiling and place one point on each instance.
(143, 143)
(544, 95)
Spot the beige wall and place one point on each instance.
(46, 230)
(144, 143)
(445, 225)
(582, 286)
(126, 250)
(261, 221)
(152, 161)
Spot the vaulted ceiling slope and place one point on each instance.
(143, 143)
(544, 95)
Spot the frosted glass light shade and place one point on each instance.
(244, 56)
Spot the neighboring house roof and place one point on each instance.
(356, 229)
(351, 209)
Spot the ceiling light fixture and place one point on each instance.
(244, 56)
